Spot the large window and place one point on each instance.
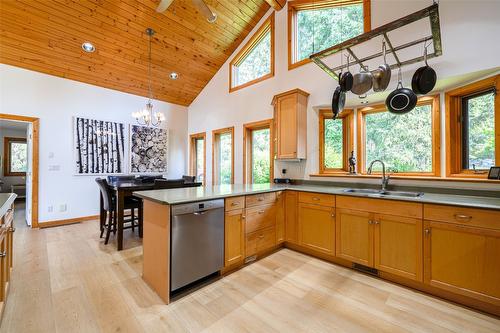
(258, 152)
(473, 128)
(407, 144)
(197, 153)
(336, 141)
(314, 26)
(255, 61)
(15, 156)
(223, 156)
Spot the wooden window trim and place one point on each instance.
(297, 5)
(192, 154)
(247, 151)
(215, 134)
(268, 25)
(347, 140)
(436, 137)
(454, 129)
(6, 157)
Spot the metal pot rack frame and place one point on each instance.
(431, 12)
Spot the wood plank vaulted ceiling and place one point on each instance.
(46, 36)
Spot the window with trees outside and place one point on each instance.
(473, 128)
(255, 61)
(258, 152)
(408, 144)
(197, 153)
(15, 156)
(315, 25)
(223, 156)
(335, 141)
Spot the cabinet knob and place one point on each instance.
(376, 222)
(3, 254)
(427, 232)
(12, 229)
(370, 222)
(243, 217)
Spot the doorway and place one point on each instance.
(19, 137)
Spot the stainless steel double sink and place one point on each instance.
(384, 193)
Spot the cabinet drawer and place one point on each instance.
(463, 215)
(260, 241)
(381, 206)
(257, 218)
(317, 198)
(234, 203)
(260, 199)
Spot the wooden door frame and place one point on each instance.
(34, 161)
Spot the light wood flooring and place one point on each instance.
(66, 280)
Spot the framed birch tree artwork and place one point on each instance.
(98, 146)
(148, 149)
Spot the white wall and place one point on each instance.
(55, 101)
(8, 181)
(468, 28)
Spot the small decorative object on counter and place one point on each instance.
(352, 164)
(494, 173)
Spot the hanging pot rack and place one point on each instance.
(431, 12)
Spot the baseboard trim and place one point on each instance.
(56, 223)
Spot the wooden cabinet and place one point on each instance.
(6, 255)
(260, 223)
(260, 217)
(291, 227)
(354, 236)
(260, 241)
(317, 227)
(280, 217)
(290, 118)
(234, 238)
(366, 234)
(463, 258)
(398, 245)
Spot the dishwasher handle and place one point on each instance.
(201, 212)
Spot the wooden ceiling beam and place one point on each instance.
(277, 4)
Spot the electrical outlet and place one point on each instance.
(63, 207)
(50, 209)
(283, 171)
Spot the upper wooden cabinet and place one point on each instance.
(290, 119)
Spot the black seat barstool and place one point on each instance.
(109, 205)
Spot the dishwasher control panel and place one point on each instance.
(197, 206)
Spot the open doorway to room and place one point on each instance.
(19, 166)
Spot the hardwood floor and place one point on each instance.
(66, 280)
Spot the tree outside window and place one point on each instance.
(15, 157)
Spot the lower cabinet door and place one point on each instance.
(398, 246)
(234, 238)
(291, 227)
(354, 236)
(260, 241)
(463, 260)
(317, 227)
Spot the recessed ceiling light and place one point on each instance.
(174, 76)
(88, 47)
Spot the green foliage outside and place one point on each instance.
(18, 157)
(199, 159)
(481, 131)
(333, 144)
(225, 158)
(403, 142)
(257, 63)
(318, 29)
(260, 156)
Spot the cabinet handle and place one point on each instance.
(261, 212)
(12, 229)
(315, 199)
(260, 199)
(370, 222)
(235, 203)
(333, 214)
(261, 236)
(3, 254)
(377, 222)
(463, 217)
(427, 232)
(243, 217)
(9, 210)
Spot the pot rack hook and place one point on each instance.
(384, 51)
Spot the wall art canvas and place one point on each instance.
(98, 146)
(148, 149)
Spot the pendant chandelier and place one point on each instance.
(146, 116)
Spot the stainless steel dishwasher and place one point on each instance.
(197, 241)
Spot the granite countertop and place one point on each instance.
(193, 194)
(6, 200)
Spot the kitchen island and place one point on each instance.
(430, 242)
(6, 245)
